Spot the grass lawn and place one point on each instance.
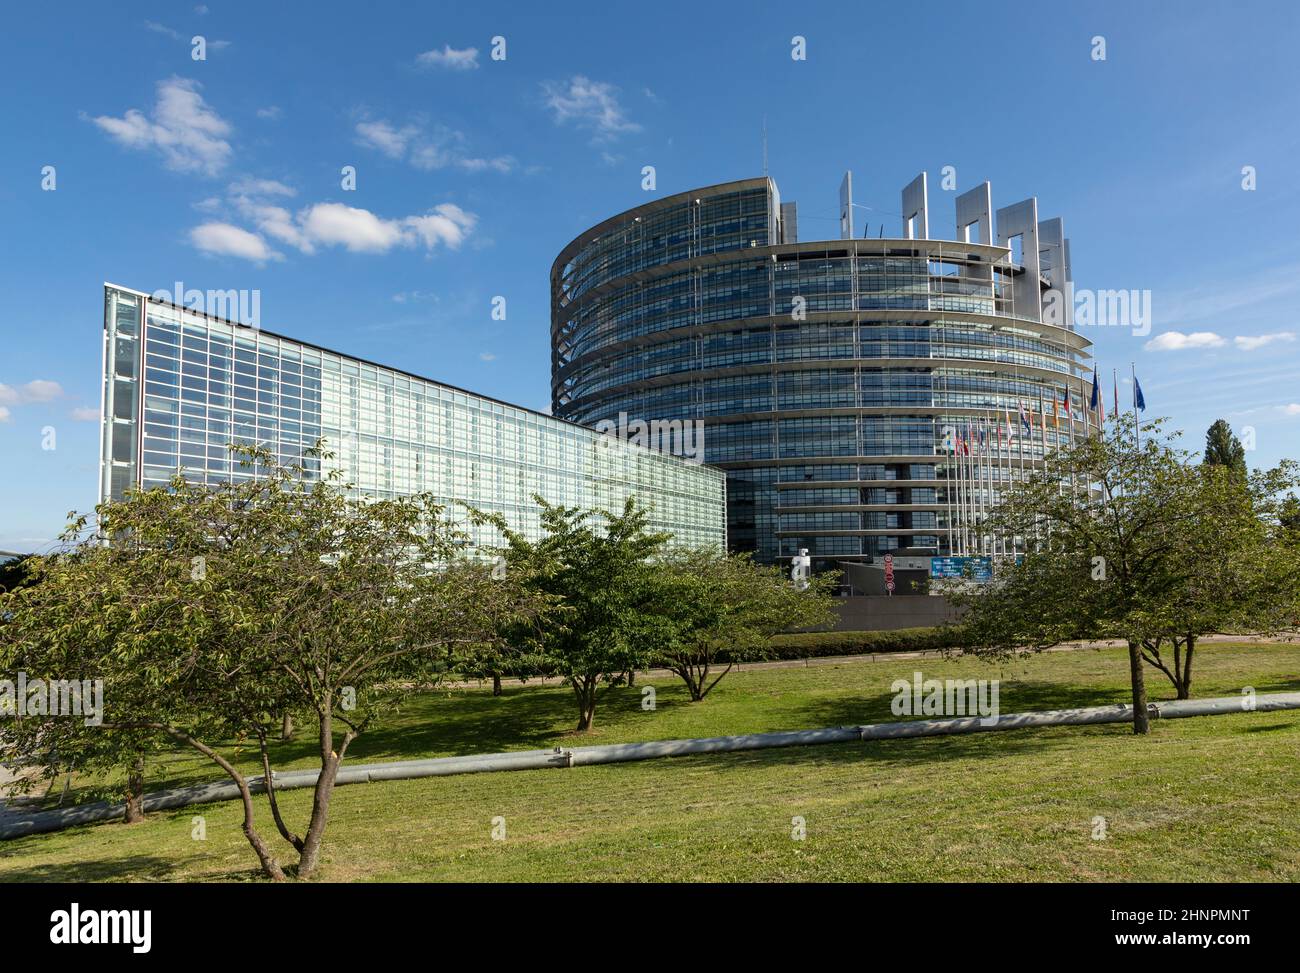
(1209, 798)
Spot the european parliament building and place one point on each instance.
(180, 385)
(841, 382)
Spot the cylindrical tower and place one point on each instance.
(865, 396)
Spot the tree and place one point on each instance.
(81, 611)
(1140, 553)
(231, 605)
(510, 614)
(1222, 448)
(1228, 575)
(1289, 520)
(15, 572)
(594, 566)
(717, 604)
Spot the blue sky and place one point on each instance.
(472, 173)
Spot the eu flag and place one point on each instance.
(1096, 391)
(1139, 401)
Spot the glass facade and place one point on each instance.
(850, 364)
(180, 386)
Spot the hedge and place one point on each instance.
(806, 645)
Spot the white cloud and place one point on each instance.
(85, 413)
(317, 225)
(39, 390)
(1293, 409)
(487, 356)
(184, 128)
(260, 187)
(1251, 342)
(439, 149)
(226, 240)
(270, 112)
(406, 297)
(446, 223)
(276, 221)
(449, 57)
(588, 104)
(358, 230)
(166, 31)
(383, 136)
(1177, 341)
(361, 231)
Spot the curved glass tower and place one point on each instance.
(864, 395)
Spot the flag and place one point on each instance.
(1115, 385)
(1066, 402)
(1095, 400)
(1056, 409)
(1024, 420)
(1139, 401)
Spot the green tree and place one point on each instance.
(215, 610)
(14, 572)
(1222, 448)
(1289, 520)
(594, 566)
(717, 604)
(1139, 554)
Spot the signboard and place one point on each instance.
(910, 562)
(889, 573)
(981, 568)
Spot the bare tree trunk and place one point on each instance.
(321, 794)
(269, 780)
(1141, 719)
(135, 792)
(320, 809)
(286, 727)
(496, 684)
(1185, 692)
(270, 867)
(586, 693)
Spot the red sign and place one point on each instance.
(889, 573)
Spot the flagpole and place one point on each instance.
(972, 524)
(958, 520)
(947, 495)
(965, 498)
(988, 480)
(1137, 423)
(982, 498)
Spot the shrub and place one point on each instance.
(807, 645)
